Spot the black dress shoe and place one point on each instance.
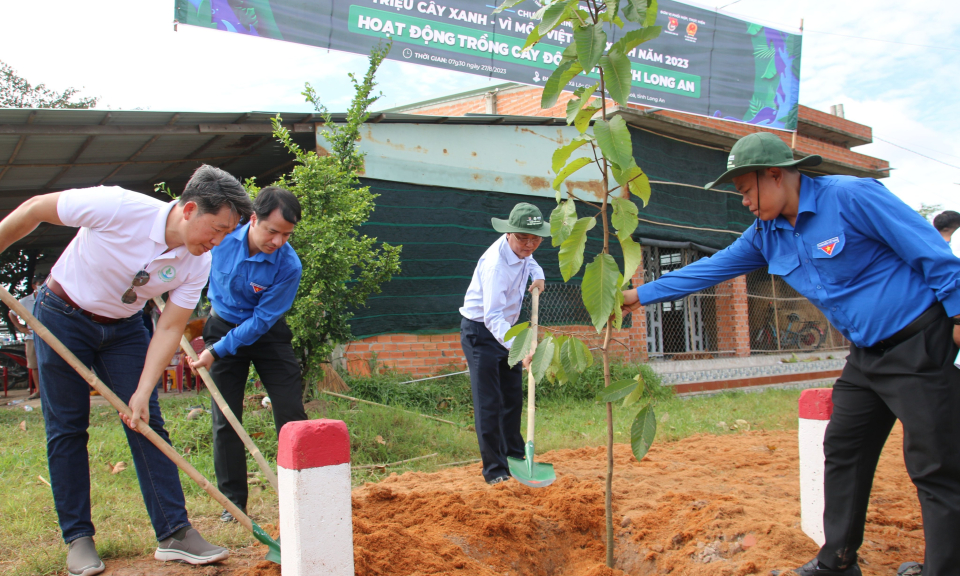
(813, 568)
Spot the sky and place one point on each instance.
(895, 66)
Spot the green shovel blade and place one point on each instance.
(273, 554)
(529, 472)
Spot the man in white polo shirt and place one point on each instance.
(130, 248)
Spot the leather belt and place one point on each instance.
(57, 289)
(931, 315)
(213, 314)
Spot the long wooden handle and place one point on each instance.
(531, 382)
(187, 347)
(118, 404)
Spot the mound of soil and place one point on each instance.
(708, 505)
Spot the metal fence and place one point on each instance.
(783, 320)
(561, 311)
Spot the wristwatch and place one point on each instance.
(209, 348)
(956, 320)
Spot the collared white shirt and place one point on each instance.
(123, 232)
(496, 290)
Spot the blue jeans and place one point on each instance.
(116, 352)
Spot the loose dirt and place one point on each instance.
(707, 505)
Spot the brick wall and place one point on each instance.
(733, 324)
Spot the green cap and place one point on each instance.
(524, 219)
(757, 151)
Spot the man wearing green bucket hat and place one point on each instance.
(491, 306)
(884, 278)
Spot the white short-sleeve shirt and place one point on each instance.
(121, 233)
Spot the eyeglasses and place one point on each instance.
(130, 296)
(529, 241)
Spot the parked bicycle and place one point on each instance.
(803, 335)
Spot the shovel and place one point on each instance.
(526, 470)
(142, 427)
(225, 409)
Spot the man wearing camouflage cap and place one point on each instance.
(886, 280)
(491, 306)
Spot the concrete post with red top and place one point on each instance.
(816, 407)
(316, 523)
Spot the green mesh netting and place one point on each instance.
(444, 231)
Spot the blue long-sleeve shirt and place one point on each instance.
(252, 291)
(864, 258)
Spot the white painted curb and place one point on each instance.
(815, 409)
(316, 523)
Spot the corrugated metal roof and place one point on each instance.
(47, 150)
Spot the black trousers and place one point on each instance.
(916, 382)
(497, 398)
(273, 357)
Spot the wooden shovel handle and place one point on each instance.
(531, 382)
(187, 348)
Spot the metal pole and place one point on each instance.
(776, 314)
(4, 381)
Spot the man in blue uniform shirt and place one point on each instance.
(883, 277)
(253, 280)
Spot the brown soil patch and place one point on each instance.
(708, 505)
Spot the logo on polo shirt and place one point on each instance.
(257, 288)
(167, 274)
(828, 245)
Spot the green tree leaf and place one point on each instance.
(554, 15)
(624, 218)
(651, 15)
(575, 357)
(558, 81)
(542, 358)
(643, 431)
(570, 169)
(618, 77)
(532, 38)
(591, 41)
(634, 38)
(635, 10)
(506, 4)
(582, 121)
(562, 219)
(632, 257)
(618, 305)
(514, 330)
(639, 185)
(522, 344)
(562, 154)
(617, 390)
(581, 96)
(571, 250)
(599, 288)
(556, 373)
(613, 137)
(637, 392)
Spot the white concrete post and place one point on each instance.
(816, 407)
(316, 517)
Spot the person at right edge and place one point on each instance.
(254, 279)
(882, 276)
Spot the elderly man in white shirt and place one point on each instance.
(130, 248)
(491, 306)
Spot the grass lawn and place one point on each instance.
(567, 417)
